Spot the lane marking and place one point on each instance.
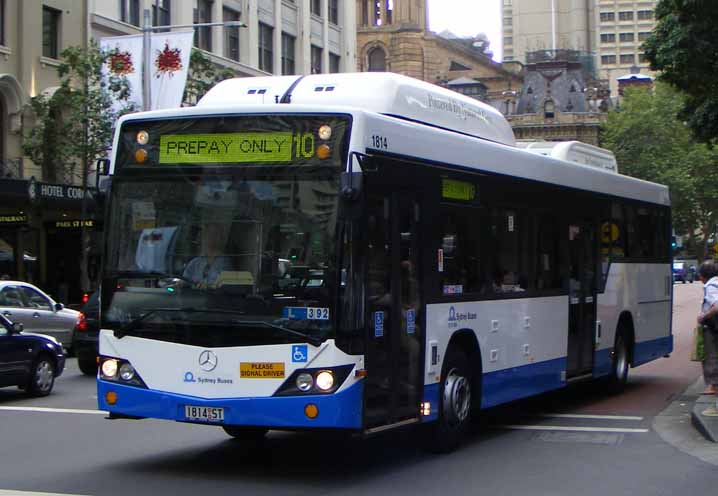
(586, 416)
(50, 410)
(569, 429)
(12, 492)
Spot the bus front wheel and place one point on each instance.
(454, 403)
(242, 433)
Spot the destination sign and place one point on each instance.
(235, 148)
(457, 190)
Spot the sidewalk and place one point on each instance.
(708, 426)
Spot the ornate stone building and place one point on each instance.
(561, 100)
(393, 35)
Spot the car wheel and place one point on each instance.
(42, 377)
(87, 364)
(454, 404)
(248, 434)
(619, 364)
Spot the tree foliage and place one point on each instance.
(684, 47)
(73, 126)
(201, 76)
(651, 142)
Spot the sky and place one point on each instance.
(468, 18)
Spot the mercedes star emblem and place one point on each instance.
(207, 361)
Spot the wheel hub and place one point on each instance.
(457, 397)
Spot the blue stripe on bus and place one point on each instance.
(643, 352)
(514, 383)
(342, 410)
(650, 350)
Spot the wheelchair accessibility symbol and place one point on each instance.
(299, 353)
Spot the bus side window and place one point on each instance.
(459, 242)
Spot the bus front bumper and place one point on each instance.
(342, 410)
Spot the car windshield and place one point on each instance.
(260, 247)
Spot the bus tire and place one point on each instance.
(454, 403)
(620, 363)
(242, 433)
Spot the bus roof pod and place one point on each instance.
(380, 92)
(573, 151)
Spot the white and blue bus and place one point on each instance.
(362, 252)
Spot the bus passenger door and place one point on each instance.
(394, 312)
(582, 297)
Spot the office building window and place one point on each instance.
(608, 59)
(625, 16)
(161, 13)
(508, 21)
(643, 36)
(50, 32)
(644, 15)
(231, 35)
(288, 54)
(130, 12)
(642, 59)
(509, 40)
(315, 7)
(203, 14)
(334, 11)
(608, 16)
(316, 60)
(266, 48)
(608, 38)
(334, 61)
(628, 58)
(626, 37)
(377, 60)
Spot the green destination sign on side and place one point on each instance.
(225, 148)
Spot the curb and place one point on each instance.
(707, 426)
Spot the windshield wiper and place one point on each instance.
(133, 324)
(314, 341)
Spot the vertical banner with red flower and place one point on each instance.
(169, 57)
(125, 60)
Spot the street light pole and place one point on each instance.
(147, 30)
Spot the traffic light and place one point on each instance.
(674, 243)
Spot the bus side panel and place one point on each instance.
(640, 289)
(523, 344)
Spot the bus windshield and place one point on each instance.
(227, 249)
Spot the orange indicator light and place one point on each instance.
(111, 397)
(311, 411)
(141, 156)
(324, 152)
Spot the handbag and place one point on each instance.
(698, 352)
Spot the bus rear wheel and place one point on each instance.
(454, 403)
(253, 434)
(619, 364)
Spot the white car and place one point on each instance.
(27, 304)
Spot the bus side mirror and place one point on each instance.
(102, 169)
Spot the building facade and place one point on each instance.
(282, 37)
(561, 99)
(611, 30)
(393, 35)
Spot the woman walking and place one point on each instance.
(708, 275)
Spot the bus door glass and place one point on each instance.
(395, 319)
(582, 296)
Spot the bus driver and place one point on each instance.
(204, 269)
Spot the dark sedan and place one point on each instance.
(29, 361)
(85, 334)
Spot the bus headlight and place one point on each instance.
(305, 382)
(127, 372)
(109, 368)
(325, 380)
